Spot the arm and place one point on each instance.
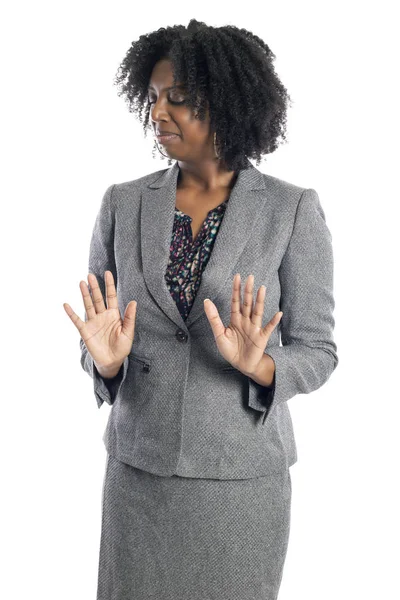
(101, 259)
(308, 354)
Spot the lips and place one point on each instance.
(167, 137)
(160, 133)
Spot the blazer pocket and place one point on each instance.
(142, 362)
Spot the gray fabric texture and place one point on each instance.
(182, 538)
(177, 407)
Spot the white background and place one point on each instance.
(65, 137)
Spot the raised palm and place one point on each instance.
(107, 337)
(243, 341)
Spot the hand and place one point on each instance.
(243, 342)
(107, 338)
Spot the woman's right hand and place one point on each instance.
(108, 339)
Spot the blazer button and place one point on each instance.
(181, 335)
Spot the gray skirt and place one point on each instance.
(179, 538)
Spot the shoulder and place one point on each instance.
(127, 192)
(282, 187)
(139, 183)
(291, 200)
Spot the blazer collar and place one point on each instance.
(246, 200)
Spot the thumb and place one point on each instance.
(213, 317)
(270, 326)
(128, 325)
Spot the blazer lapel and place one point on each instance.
(246, 200)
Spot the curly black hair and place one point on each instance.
(226, 69)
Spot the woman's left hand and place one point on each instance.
(243, 341)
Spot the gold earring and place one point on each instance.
(215, 145)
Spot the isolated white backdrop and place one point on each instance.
(66, 136)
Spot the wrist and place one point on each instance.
(110, 371)
(265, 371)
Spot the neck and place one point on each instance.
(206, 176)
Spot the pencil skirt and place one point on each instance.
(180, 538)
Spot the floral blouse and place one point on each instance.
(188, 258)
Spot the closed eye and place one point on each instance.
(169, 100)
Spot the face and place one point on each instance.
(194, 142)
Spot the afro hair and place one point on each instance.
(228, 71)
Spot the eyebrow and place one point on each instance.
(168, 88)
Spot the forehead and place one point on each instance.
(162, 77)
(171, 87)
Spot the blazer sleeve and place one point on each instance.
(101, 259)
(308, 354)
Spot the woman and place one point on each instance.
(197, 490)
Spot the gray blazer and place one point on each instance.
(177, 407)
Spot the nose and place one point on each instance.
(157, 112)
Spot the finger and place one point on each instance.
(97, 296)
(90, 311)
(269, 327)
(74, 317)
(128, 324)
(217, 326)
(111, 292)
(247, 306)
(259, 305)
(235, 300)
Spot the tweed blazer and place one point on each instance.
(177, 406)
